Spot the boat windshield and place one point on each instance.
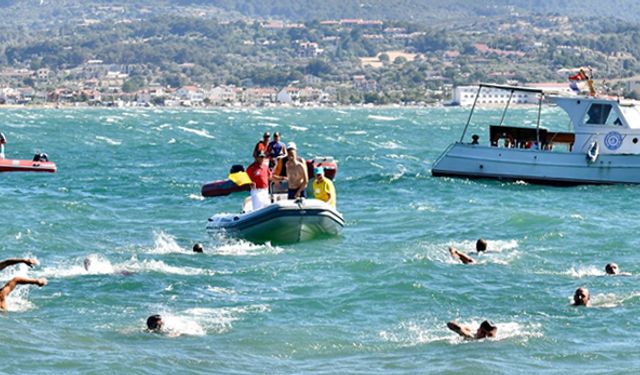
(602, 114)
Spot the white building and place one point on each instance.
(190, 95)
(466, 95)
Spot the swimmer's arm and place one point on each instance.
(464, 258)
(10, 262)
(11, 285)
(461, 330)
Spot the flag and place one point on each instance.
(580, 76)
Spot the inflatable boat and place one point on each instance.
(12, 165)
(283, 221)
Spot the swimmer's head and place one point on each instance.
(612, 269)
(154, 322)
(198, 248)
(87, 263)
(581, 297)
(481, 245)
(487, 329)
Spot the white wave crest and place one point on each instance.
(201, 132)
(238, 247)
(110, 141)
(196, 197)
(164, 243)
(382, 118)
(581, 272)
(298, 128)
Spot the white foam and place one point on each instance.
(582, 271)
(238, 247)
(196, 197)
(356, 132)
(110, 141)
(164, 243)
(201, 132)
(298, 128)
(200, 321)
(382, 118)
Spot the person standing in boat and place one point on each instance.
(260, 176)
(3, 141)
(275, 150)
(262, 145)
(323, 188)
(297, 175)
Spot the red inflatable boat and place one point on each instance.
(8, 165)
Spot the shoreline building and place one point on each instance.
(465, 95)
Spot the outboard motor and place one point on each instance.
(236, 168)
(41, 157)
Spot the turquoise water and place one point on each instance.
(374, 300)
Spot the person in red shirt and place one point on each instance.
(260, 176)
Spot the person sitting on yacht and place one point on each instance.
(323, 188)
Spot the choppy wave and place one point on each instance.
(110, 141)
(201, 132)
(383, 118)
(413, 333)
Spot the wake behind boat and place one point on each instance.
(283, 221)
(603, 148)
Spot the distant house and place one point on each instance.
(308, 50)
(190, 95)
(259, 96)
(288, 95)
(362, 84)
(221, 95)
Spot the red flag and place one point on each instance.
(580, 76)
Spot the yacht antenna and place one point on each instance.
(504, 112)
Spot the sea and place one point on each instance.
(375, 299)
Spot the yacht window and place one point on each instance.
(602, 114)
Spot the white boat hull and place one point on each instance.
(285, 221)
(547, 167)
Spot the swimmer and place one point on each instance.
(486, 329)
(154, 323)
(581, 297)
(464, 258)
(11, 285)
(613, 269)
(198, 248)
(481, 245)
(87, 264)
(10, 262)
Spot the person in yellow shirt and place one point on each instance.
(323, 188)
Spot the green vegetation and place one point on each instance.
(228, 42)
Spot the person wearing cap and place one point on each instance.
(262, 144)
(323, 188)
(275, 150)
(260, 176)
(297, 175)
(486, 329)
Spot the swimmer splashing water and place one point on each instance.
(13, 283)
